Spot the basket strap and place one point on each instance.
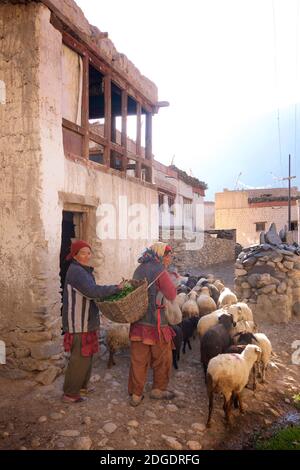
(151, 283)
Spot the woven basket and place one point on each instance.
(129, 309)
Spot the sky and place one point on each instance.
(230, 71)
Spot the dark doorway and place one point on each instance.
(67, 234)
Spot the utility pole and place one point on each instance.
(289, 178)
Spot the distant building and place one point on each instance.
(209, 215)
(180, 199)
(252, 211)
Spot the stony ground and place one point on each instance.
(33, 416)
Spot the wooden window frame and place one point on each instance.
(110, 75)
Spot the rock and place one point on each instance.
(172, 408)
(199, 427)
(95, 378)
(21, 352)
(107, 377)
(48, 376)
(42, 419)
(28, 363)
(69, 433)
(5, 434)
(45, 350)
(296, 309)
(109, 427)
(133, 424)
(35, 443)
(240, 272)
(83, 443)
(267, 421)
(253, 279)
(87, 420)
(150, 414)
(267, 289)
(23, 448)
(287, 400)
(37, 336)
(172, 442)
(114, 401)
(288, 264)
(56, 416)
(281, 288)
(194, 445)
(133, 442)
(103, 442)
(272, 237)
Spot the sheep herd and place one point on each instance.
(231, 347)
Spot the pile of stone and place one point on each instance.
(268, 277)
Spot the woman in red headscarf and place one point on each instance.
(80, 317)
(151, 337)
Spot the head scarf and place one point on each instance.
(75, 247)
(155, 252)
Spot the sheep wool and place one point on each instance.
(206, 304)
(117, 337)
(240, 311)
(228, 374)
(227, 297)
(209, 320)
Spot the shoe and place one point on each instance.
(73, 399)
(157, 394)
(135, 400)
(86, 391)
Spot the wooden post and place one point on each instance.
(148, 150)
(85, 107)
(107, 118)
(124, 129)
(138, 140)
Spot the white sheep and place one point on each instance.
(219, 285)
(117, 337)
(209, 320)
(266, 350)
(206, 304)
(204, 290)
(240, 311)
(181, 298)
(190, 307)
(229, 374)
(227, 297)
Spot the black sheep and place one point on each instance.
(216, 340)
(188, 326)
(177, 340)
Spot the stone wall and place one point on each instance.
(212, 250)
(268, 279)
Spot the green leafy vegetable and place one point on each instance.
(120, 295)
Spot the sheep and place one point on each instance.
(190, 307)
(177, 340)
(241, 311)
(219, 285)
(188, 326)
(227, 297)
(203, 290)
(213, 291)
(229, 374)
(266, 348)
(205, 304)
(117, 337)
(172, 312)
(216, 340)
(242, 326)
(209, 320)
(181, 298)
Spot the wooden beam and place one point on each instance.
(124, 129)
(138, 128)
(73, 127)
(148, 150)
(85, 106)
(107, 117)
